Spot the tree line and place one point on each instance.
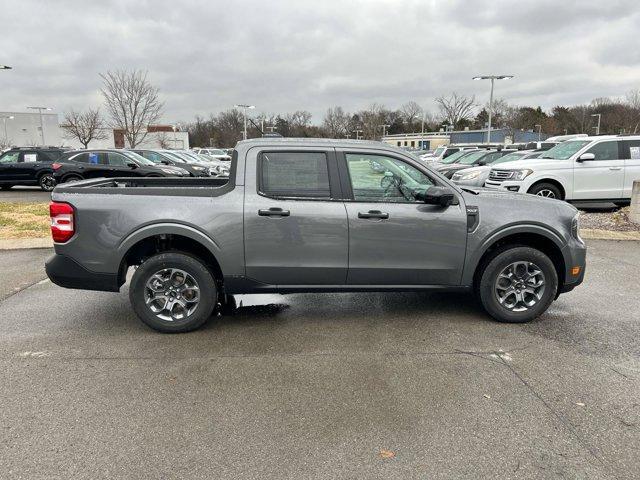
(133, 104)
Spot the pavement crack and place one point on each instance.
(22, 289)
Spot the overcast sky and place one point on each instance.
(309, 55)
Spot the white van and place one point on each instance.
(589, 168)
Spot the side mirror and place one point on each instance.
(585, 157)
(482, 163)
(442, 196)
(165, 162)
(132, 165)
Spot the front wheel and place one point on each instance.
(518, 284)
(46, 182)
(548, 190)
(6, 187)
(173, 292)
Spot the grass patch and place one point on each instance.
(24, 220)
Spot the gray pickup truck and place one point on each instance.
(311, 216)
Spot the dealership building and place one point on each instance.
(432, 140)
(20, 129)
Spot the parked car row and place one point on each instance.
(600, 168)
(48, 166)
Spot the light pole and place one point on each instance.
(384, 129)
(539, 131)
(4, 120)
(357, 132)
(598, 126)
(40, 109)
(244, 109)
(175, 128)
(493, 78)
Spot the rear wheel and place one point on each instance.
(548, 190)
(173, 292)
(5, 187)
(72, 178)
(46, 182)
(623, 204)
(518, 284)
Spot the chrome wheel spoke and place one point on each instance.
(172, 294)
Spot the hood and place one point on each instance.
(475, 195)
(452, 167)
(541, 163)
(480, 168)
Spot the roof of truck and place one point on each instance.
(314, 142)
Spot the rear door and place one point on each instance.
(602, 177)
(8, 166)
(631, 152)
(294, 219)
(393, 238)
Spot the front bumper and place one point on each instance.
(575, 257)
(506, 185)
(66, 272)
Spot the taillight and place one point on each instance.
(56, 165)
(62, 224)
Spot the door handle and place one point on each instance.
(273, 212)
(615, 168)
(374, 214)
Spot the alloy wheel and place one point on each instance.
(520, 286)
(545, 192)
(172, 294)
(47, 183)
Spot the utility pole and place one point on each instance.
(244, 109)
(598, 126)
(493, 78)
(539, 131)
(357, 132)
(40, 109)
(384, 129)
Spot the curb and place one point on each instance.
(595, 234)
(22, 243)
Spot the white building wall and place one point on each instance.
(23, 130)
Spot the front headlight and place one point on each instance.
(199, 169)
(575, 228)
(521, 174)
(469, 176)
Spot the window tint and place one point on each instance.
(82, 158)
(377, 178)
(631, 149)
(10, 157)
(116, 160)
(605, 151)
(289, 174)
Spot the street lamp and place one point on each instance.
(40, 109)
(493, 78)
(4, 120)
(384, 129)
(539, 131)
(357, 132)
(598, 126)
(244, 108)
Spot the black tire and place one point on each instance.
(47, 182)
(622, 204)
(72, 178)
(6, 187)
(138, 292)
(548, 190)
(486, 287)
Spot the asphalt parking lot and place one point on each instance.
(322, 386)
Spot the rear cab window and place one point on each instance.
(294, 175)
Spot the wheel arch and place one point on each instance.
(532, 236)
(159, 238)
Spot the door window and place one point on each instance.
(377, 178)
(116, 160)
(294, 174)
(10, 157)
(605, 151)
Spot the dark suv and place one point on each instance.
(81, 164)
(29, 166)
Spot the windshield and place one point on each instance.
(215, 151)
(564, 150)
(453, 158)
(439, 151)
(510, 157)
(137, 158)
(174, 156)
(473, 157)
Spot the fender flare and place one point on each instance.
(473, 259)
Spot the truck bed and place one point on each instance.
(149, 186)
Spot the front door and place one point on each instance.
(9, 166)
(602, 177)
(393, 238)
(295, 224)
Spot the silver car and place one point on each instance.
(476, 176)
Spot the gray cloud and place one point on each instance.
(288, 55)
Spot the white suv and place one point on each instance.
(591, 168)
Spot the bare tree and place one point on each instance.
(132, 102)
(84, 126)
(336, 122)
(456, 107)
(411, 113)
(163, 141)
